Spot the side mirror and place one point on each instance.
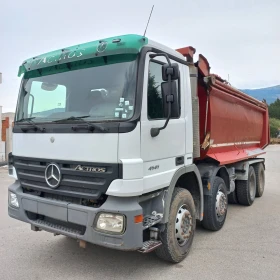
(170, 97)
(171, 106)
(172, 70)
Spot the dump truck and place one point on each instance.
(126, 143)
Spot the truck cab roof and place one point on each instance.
(123, 44)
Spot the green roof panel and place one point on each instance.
(125, 44)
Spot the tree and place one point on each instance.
(274, 109)
(274, 114)
(274, 127)
(155, 105)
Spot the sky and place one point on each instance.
(240, 38)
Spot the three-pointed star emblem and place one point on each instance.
(53, 175)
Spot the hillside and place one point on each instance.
(270, 94)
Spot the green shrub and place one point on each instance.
(274, 126)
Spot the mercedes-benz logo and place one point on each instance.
(53, 175)
(102, 47)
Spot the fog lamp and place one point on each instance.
(13, 201)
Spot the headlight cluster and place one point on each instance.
(11, 168)
(109, 222)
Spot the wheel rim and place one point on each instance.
(183, 225)
(221, 203)
(252, 187)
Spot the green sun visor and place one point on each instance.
(126, 44)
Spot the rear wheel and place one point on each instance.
(178, 234)
(260, 179)
(215, 206)
(246, 190)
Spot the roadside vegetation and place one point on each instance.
(274, 114)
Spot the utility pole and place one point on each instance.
(0, 78)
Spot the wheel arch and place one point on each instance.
(223, 173)
(187, 177)
(209, 172)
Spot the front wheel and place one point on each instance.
(178, 234)
(215, 206)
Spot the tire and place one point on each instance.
(215, 206)
(232, 198)
(246, 190)
(174, 249)
(260, 179)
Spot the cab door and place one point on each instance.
(165, 153)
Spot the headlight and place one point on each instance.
(10, 164)
(11, 168)
(13, 201)
(110, 222)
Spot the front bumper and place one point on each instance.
(69, 213)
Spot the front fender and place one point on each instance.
(168, 197)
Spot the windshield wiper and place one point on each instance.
(89, 126)
(25, 119)
(32, 123)
(72, 118)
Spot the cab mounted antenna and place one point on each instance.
(148, 21)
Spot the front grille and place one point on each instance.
(74, 183)
(69, 199)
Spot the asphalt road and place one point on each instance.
(248, 246)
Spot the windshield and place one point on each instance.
(105, 92)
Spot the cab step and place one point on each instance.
(151, 220)
(149, 246)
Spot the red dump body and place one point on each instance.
(233, 125)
